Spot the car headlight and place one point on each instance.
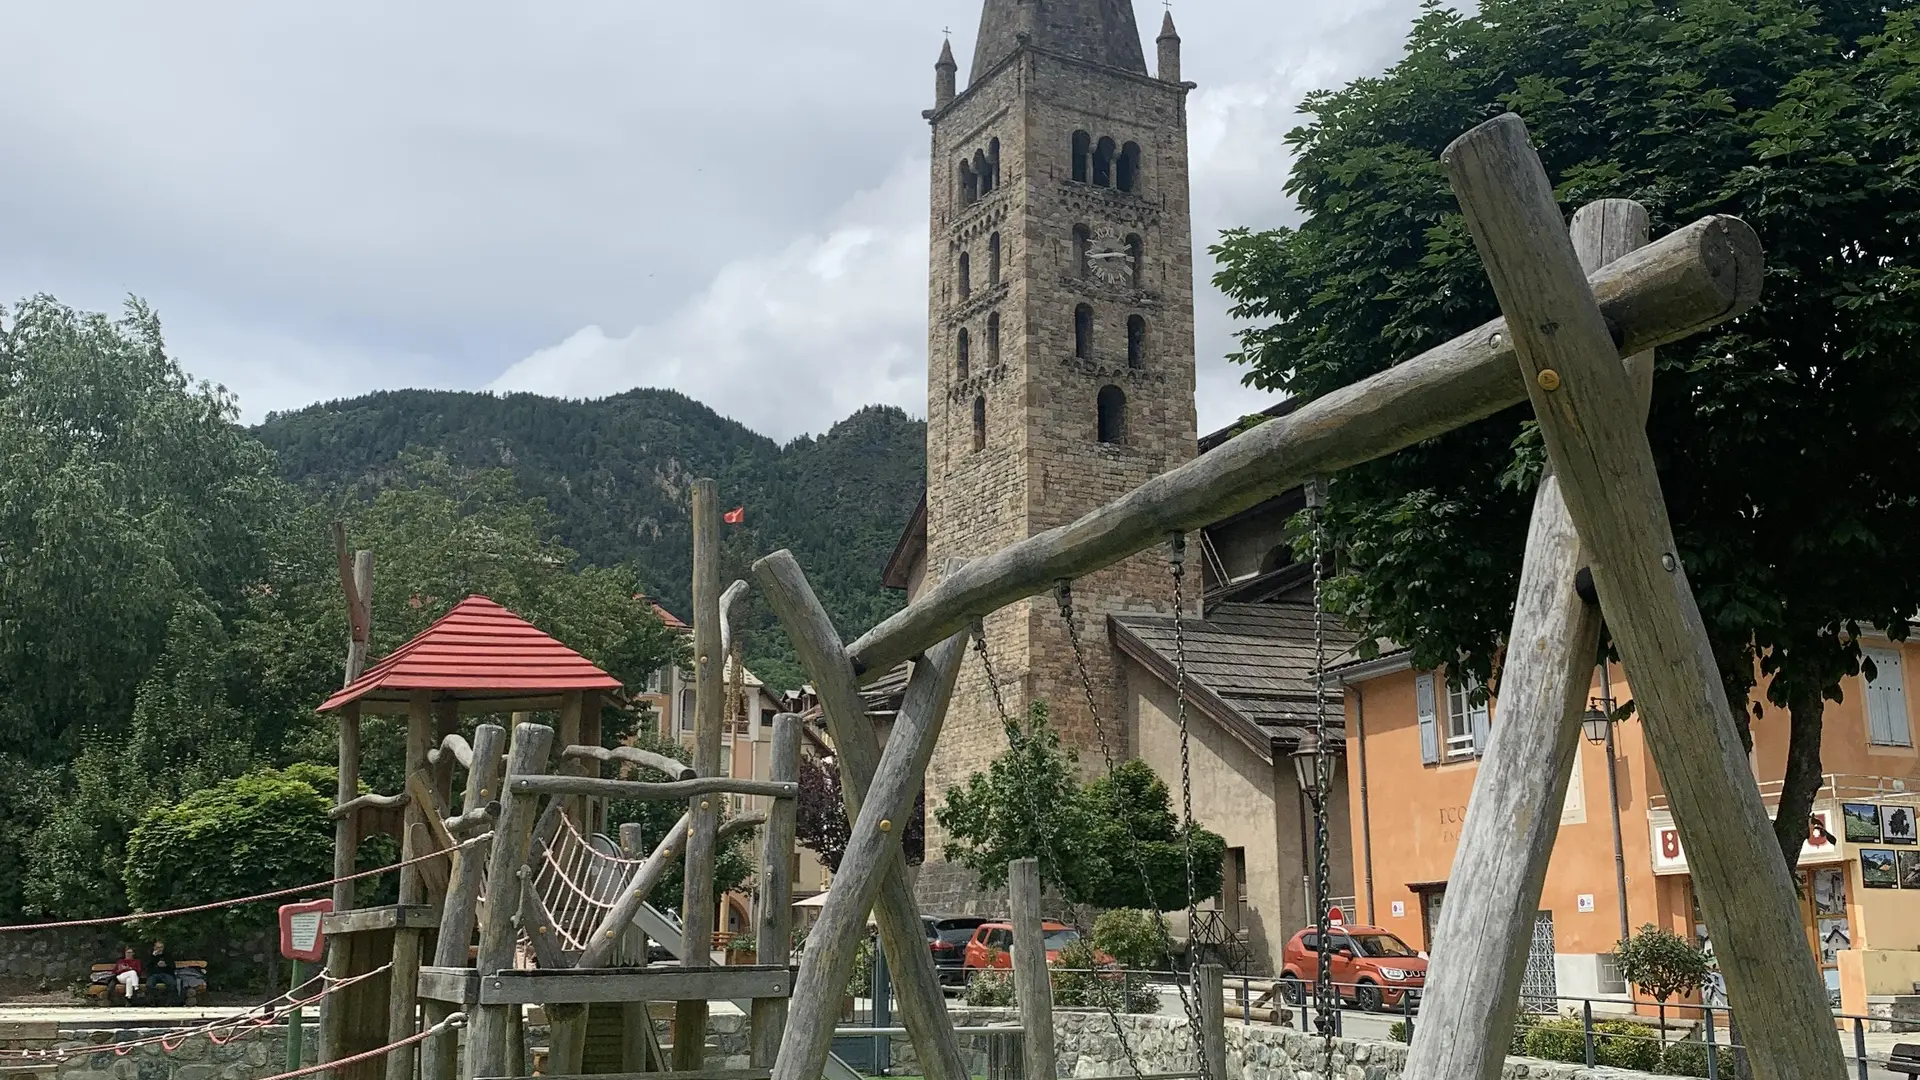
(1394, 974)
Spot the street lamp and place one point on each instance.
(1597, 724)
(1310, 766)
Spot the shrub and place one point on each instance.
(1523, 1023)
(1689, 1059)
(1624, 1044)
(1133, 937)
(1661, 963)
(861, 983)
(1398, 1032)
(990, 989)
(1559, 1039)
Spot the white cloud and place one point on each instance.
(786, 342)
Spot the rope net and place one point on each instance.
(578, 877)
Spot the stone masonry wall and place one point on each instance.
(57, 958)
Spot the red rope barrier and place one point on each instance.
(115, 920)
(452, 1021)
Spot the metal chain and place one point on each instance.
(1326, 1005)
(1064, 592)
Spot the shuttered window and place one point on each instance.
(1887, 723)
(1429, 719)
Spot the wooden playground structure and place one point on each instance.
(555, 913)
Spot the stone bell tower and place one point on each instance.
(1060, 343)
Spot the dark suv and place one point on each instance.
(947, 936)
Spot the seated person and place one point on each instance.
(163, 983)
(126, 972)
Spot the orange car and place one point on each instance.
(1371, 967)
(992, 944)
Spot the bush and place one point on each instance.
(1522, 1024)
(1397, 1031)
(861, 982)
(1559, 1039)
(990, 989)
(1624, 1044)
(1620, 1044)
(1661, 963)
(1134, 938)
(1689, 1059)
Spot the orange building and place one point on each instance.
(1413, 753)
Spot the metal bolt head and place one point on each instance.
(705, 805)
(885, 825)
(1669, 562)
(1549, 380)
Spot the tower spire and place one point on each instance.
(1101, 31)
(1169, 42)
(945, 72)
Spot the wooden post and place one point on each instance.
(566, 1039)
(1032, 983)
(403, 1001)
(1589, 418)
(696, 907)
(346, 845)
(1513, 816)
(874, 839)
(636, 1024)
(595, 809)
(774, 935)
(512, 837)
(568, 734)
(1209, 985)
(916, 985)
(440, 1058)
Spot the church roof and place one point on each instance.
(477, 651)
(1249, 666)
(1100, 31)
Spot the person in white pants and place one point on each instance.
(127, 973)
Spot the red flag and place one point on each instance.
(735, 516)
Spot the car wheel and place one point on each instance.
(1367, 997)
(1293, 990)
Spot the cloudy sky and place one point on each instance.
(726, 197)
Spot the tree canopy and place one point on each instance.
(1783, 438)
(1111, 843)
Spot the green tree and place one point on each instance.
(1112, 843)
(1661, 963)
(1783, 438)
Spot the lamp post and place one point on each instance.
(1598, 726)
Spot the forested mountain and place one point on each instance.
(616, 473)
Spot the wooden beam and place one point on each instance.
(1500, 866)
(1032, 983)
(633, 755)
(456, 745)
(368, 920)
(513, 836)
(768, 1018)
(566, 1038)
(1209, 988)
(451, 985)
(534, 987)
(642, 790)
(916, 984)
(369, 802)
(697, 901)
(827, 963)
(1697, 277)
(440, 1054)
(698, 1074)
(1589, 418)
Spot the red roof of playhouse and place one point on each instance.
(477, 651)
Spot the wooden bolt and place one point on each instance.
(1549, 380)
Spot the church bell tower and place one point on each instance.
(1060, 338)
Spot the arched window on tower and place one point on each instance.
(1082, 248)
(993, 340)
(1103, 163)
(969, 184)
(980, 422)
(1136, 341)
(966, 275)
(1083, 332)
(1082, 152)
(993, 160)
(983, 169)
(962, 361)
(1128, 176)
(1137, 257)
(1112, 405)
(993, 259)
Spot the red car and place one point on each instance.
(992, 944)
(1372, 968)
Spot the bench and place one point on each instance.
(191, 974)
(1905, 1058)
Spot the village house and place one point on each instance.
(1414, 745)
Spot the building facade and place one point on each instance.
(1413, 754)
(1060, 347)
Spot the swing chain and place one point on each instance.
(1326, 1003)
(1018, 741)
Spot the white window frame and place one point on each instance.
(1890, 702)
(1461, 713)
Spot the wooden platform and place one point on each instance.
(463, 986)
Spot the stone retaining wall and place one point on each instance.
(50, 959)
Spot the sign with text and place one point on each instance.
(1824, 843)
(300, 936)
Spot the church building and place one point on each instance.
(1060, 376)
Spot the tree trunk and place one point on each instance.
(1806, 707)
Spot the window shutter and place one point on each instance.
(1482, 728)
(1887, 701)
(1429, 719)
